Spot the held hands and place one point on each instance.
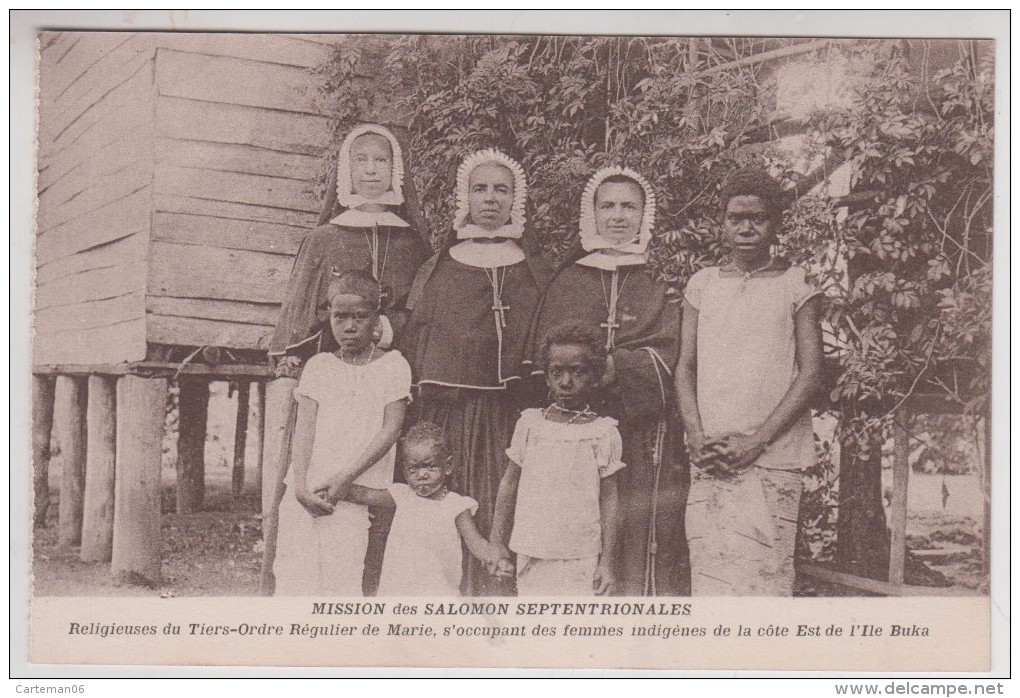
(609, 377)
(334, 489)
(499, 562)
(313, 503)
(604, 581)
(727, 455)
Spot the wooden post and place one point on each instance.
(42, 425)
(898, 507)
(240, 437)
(101, 453)
(279, 396)
(257, 433)
(193, 406)
(136, 515)
(69, 429)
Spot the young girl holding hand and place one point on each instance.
(559, 491)
(351, 407)
(423, 553)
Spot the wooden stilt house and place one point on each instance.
(177, 176)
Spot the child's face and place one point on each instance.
(490, 195)
(619, 208)
(371, 165)
(426, 467)
(747, 226)
(571, 374)
(352, 320)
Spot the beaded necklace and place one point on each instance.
(578, 414)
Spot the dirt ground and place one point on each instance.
(945, 514)
(218, 552)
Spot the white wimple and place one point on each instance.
(345, 185)
(590, 238)
(513, 229)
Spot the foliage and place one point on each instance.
(904, 259)
(565, 106)
(819, 505)
(910, 312)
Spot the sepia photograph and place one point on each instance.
(469, 321)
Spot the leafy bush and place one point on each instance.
(903, 255)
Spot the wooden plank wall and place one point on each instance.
(95, 173)
(240, 140)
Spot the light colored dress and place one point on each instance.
(423, 552)
(326, 554)
(557, 532)
(742, 530)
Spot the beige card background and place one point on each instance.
(885, 635)
(960, 630)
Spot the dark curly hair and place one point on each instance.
(426, 433)
(755, 182)
(577, 334)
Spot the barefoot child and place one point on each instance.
(351, 407)
(423, 552)
(750, 361)
(559, 492)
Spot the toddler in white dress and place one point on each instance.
(423, 552)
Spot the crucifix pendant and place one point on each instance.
(610, 326)
(499, 310)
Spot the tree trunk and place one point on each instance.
(898, 507)
(101, 453)
(42, 425)
(141, 404)
(193, 415)
(863, 541)
(69, 429)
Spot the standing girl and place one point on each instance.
(351, 406)
(750, 362)
(559, 491)
(423, 553)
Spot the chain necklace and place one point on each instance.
(746, 275)
(585, 412)
(366, 362)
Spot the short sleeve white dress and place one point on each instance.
(423, 552)
(327, 554)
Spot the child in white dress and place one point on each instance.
(423, 552)
(750, 362)
(559, 492)
(351, 407)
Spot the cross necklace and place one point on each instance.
(499, 310)
(612, 298)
